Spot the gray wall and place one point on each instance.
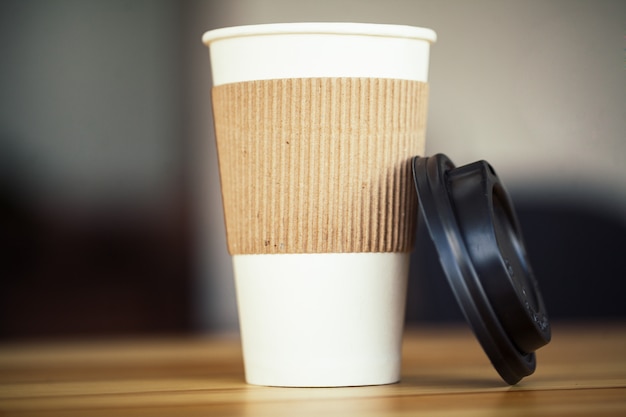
(106, 103)
(89, 109)
(537, 88)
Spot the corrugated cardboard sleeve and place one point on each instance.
(319, 165)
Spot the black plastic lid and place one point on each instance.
(474, 227)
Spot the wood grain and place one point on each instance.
(582, 371)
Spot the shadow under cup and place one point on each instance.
(316, 125)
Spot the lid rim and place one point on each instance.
(321, 28)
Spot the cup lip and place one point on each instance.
(321, 28)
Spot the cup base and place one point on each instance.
(322, 320)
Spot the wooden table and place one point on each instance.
(582, 372)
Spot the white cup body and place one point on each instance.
(320, 319)
(301, 50)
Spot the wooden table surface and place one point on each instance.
(445, 373)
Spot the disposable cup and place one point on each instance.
(316, 124)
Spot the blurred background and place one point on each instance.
(110, 210)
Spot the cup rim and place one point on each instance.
(321, 28)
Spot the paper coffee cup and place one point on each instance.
(316, 124)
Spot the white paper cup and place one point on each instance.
(321, 317)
